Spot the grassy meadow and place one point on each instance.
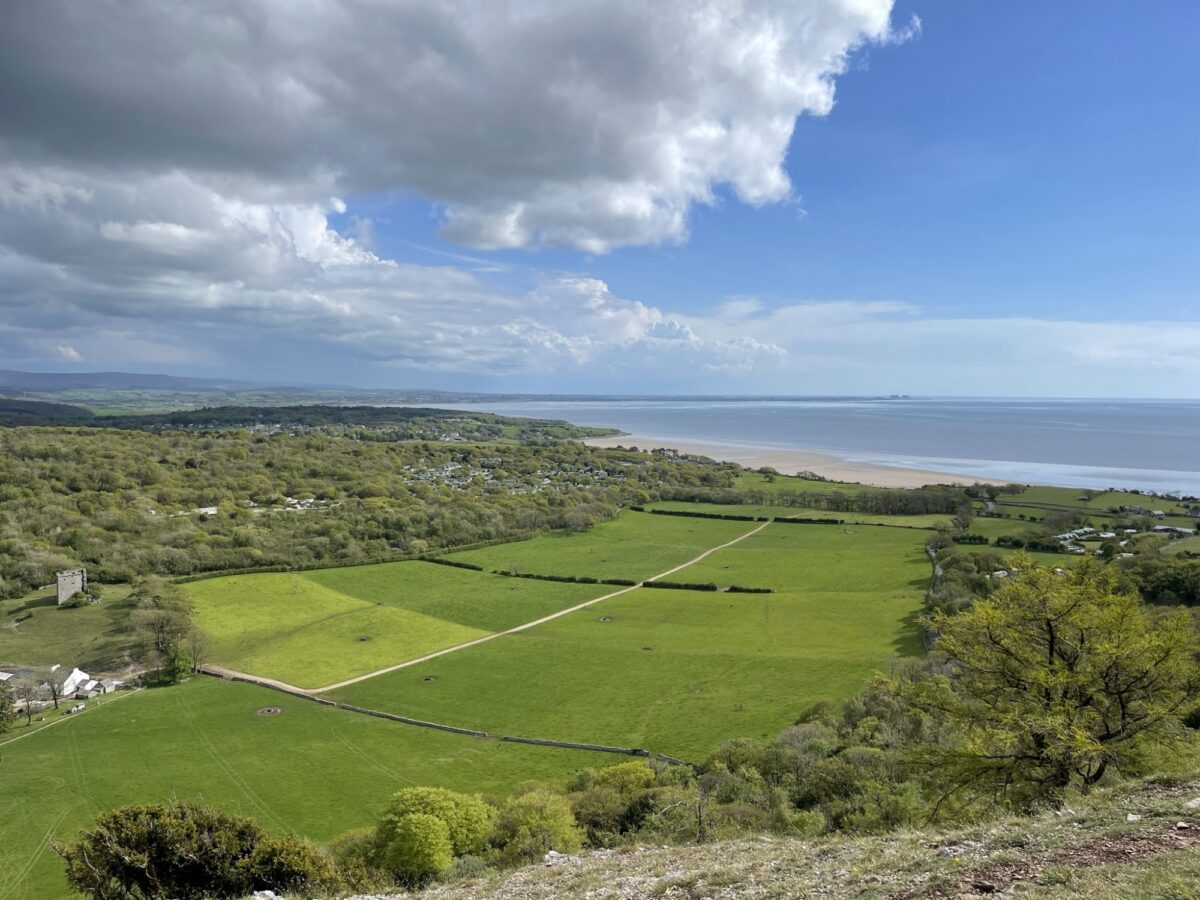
(315, 628)
(635, 545)
(35, 631)
(678, 671)
(312, 770)
(770, 511)
(792, 484)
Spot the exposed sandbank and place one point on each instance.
(793, 462)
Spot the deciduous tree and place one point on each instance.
(1052, 679)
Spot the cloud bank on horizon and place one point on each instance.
(170, 174)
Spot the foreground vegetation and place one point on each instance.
(307, 769)
(1032, 697)
(1088, 851)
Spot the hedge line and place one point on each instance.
(347, 564)
(701, 515)
(452, 562)
(969, 539)
(680, 585)
(799, 520)
(566, 579)
(1019, 543)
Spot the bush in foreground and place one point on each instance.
(187, 851)
(534, 823)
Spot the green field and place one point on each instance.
(313, 770)
(1100, 502)
(678, 671)
(770, 511)
(636, 545)
(785, 484)
(315, 628)
(859, 558)
(93, 637)
(1182, 545)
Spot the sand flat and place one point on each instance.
(793, 462)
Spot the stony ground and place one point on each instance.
(1139, 842)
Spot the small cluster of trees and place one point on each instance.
(968, 538)
(172, 643)
(427, 832)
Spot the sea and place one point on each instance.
(1149, 445)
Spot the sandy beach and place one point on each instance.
(792, 462)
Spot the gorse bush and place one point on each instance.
(189, 851)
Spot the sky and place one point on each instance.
(708, 196)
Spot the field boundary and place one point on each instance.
(224, 671)
(301, 694)
(70, 718)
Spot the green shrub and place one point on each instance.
(468, 819)
(468, 866)
(534, 823)
(419, 849)
(354, 855)
(188, 851)
(625, 778)
(289, 864)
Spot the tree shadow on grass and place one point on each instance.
(49, 601)
(910, 641)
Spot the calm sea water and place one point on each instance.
(1150, 445)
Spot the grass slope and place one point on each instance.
(315, 628)
(312, 770)
(856, 558)
(472, 599)
(672, 671)
(635, 545)
(792, 484)
(92, 637)
(753, 509)
(679, 671)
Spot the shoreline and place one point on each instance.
(793, 462)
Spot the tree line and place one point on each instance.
(132, 503)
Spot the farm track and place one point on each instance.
(62, 719)
(225, 672)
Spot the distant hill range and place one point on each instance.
(12, 380)
(135, 391)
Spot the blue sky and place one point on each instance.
(1003, 200)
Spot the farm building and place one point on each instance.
(70, 583)
(75, 681)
